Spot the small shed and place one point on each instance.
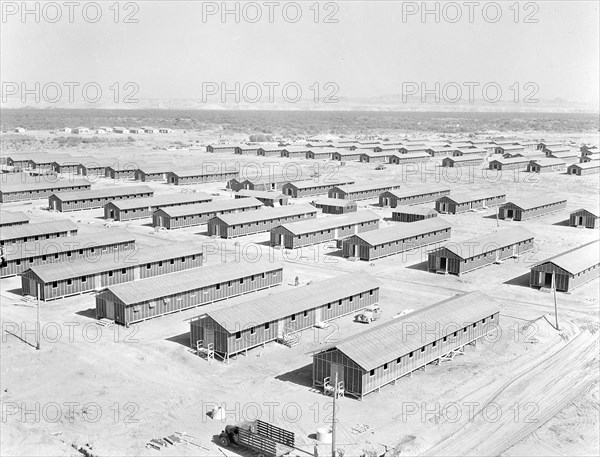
(584, 217)
(568, 270)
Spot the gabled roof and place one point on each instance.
(534, 201)
(37, 229)
(248, 217)
(330, 222)
(68, 243)
(466, 197)
(283, 304)
(158, 287)
(322, 182)
(594, 211)
(339, 202)
(40, 183)
(190, 173)
(402, 231)
(211, 207)
(102, 193)
(510, 147)
(577, 259)
(504, 161)
(114, 261)
(421, 210)
(586, 165)
(410, 155)
(12, 217)
(466, 158)
(422, 190)
(565, 154)
(259, 194)
(547, 162)
(386, 342)
(488, 243)
(161, 200)
(370, 185)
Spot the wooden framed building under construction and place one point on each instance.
(176, 217)
(281, 316)
(95, 198)
(413, 196)
(362, 191)
(324, 229)
(393, 240)
(146, 299)
(20, 257)
(23, 187)
(568, 270)
(584, 217)
(366, 362)
(140, 208)
(37, 231)
(316, 186)
(481, 251)
(520, 209)
(469, 201)
(251, 222)
(62, 279)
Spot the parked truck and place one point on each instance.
(259, 436)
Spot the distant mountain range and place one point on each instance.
(390, 102)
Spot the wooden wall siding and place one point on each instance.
(172, 223)
(292, 241)
(521, 215)
(124, 273)
(396, 160)
(172, 178)
(139, 175)
(406, 217)
(345, 157)
(508, 166)
(361, 195)
(368, 252)
(564, 281)
(55, 203)
(91, 171)
(129, 314)
(137, 213)
(388, 199)
(264, 153)
(588, 221)
(18, 266)
(457, 266)
(453, 208)
(119, 174)
(583, 171)
(326, 209)
(250, 337)
(45, 236)
(405, 364)
(36, 194)
(352, 373)
(462, 163)
(219, 228)
(317, 189)
(546, 169)
(374, 159)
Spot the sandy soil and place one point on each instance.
(531, 391)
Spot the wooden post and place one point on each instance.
(37, 327)
(335, 388)
(555, 304)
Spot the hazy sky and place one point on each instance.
(370, 51)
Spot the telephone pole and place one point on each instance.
(335, 393)
(555, 304)
(37, 326)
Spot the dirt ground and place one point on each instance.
(530, 390)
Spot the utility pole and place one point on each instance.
(37, 327)
(335, 393)
(555, 304)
